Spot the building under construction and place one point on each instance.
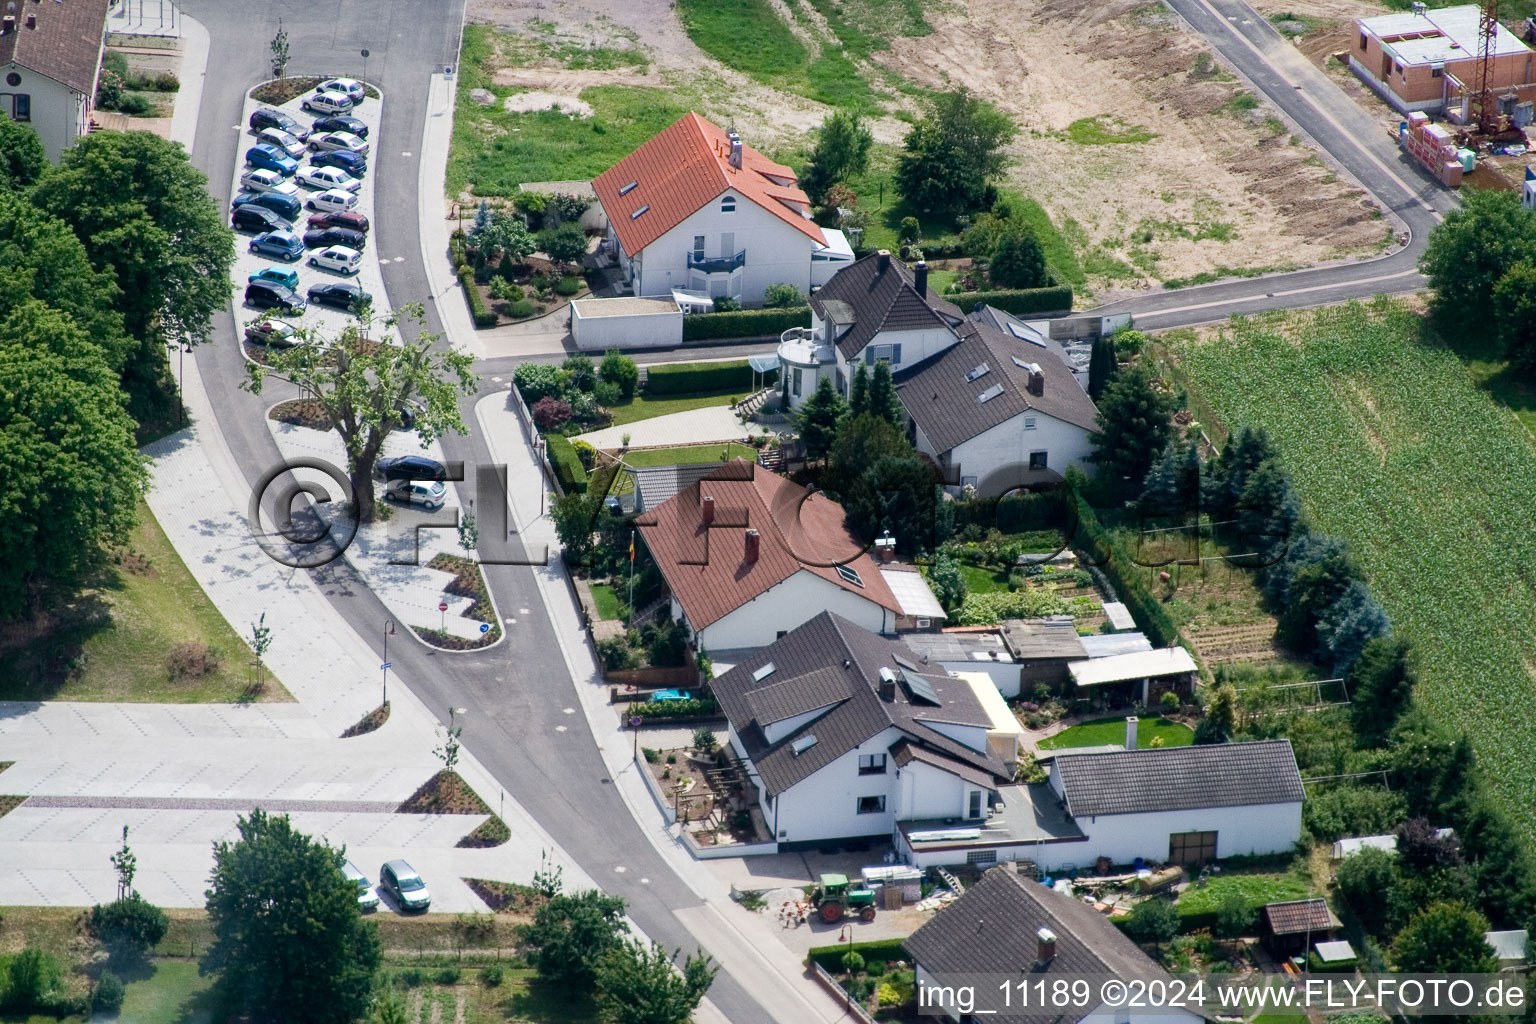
(1432, 61)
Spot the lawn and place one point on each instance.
(982, 581)
(606, 600)
(643, 408)
(690, 454)
(119, 636)
(1105, 731)
(1254, 890)
(173, 994)
(1392, 444)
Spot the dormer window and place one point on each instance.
(728, 204)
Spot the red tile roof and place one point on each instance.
(681, 169)
(705, 566)
(65, 45)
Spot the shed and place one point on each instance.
(962, 650)
(1346, 847)
(1291, 927)
(1103, 645)
(1137, 677)
(1510, 947)
(920, 610)
(1335, 952)
(600, 324)
(1043, 648)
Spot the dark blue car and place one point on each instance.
(271, 158)
(354, 164)
(341, 123)
(286, 207)
(283, 245)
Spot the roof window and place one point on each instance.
(637, 213)
(803, 744)
(627, 189)
(851, 575)
(980, 371)
(764, 672)
(989, 394)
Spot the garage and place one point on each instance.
(600, 324)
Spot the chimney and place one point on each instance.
(883, 259)
(1045, 948)
(1036, 381)
(1130, 732)
(8, 25)
(31, 20)
(735, 150)
(752, 541)
(921, 284)
(706, 510)
(888, 686)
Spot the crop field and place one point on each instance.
(1392, 445)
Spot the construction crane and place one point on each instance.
(1487, 36)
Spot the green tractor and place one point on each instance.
(836, 896)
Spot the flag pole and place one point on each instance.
(631, 575)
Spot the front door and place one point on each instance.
(1191, 849)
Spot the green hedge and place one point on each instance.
(881, 951)
(744, 323)
(673, 708)
(483, 317)
(1018, 301)
(693, 378)
(1113, 559)
(567, 464)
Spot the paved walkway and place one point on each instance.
(696, 426)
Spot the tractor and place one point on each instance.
(836, 896)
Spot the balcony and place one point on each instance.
(717, 264)
(798, 346)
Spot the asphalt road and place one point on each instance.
(514, 693)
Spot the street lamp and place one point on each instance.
(538, 446)
(182, 348)
(389, 631)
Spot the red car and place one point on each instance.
(339, 219)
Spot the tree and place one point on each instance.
(637, 984)
(1313, 590)
(565, 244)
(861, 441)
(840, 152)
(1501, 866)
(1467, 254)
(896, 494)
(571, 933)
(1342, 811)
(1380, 684)
(362, 384)
(1347, 625)
(948, 582)
(1018, 261)
(818, 418)
(448, 753)
(72, 474)
(1514, 313)
(1434, 769)
(22, 157)
(129, 927)
(882, 396)
(261, 643)
(858, 392)
(580, 373)
(1227, 476)
(279, 48)
(126, 864)
(1235, 917)
(1363, 880)
(1172, 486)
(289, 943)
(504, 237)
(143, 213)
(1102, 367)
(1445, 938)
(1421, 847)
(619, 369)
(1267, 514)
(1134, 428)
(1220, 722)
(35, 977)
(573, 516)
(952, 153)
(782, 296)
(1154, 920)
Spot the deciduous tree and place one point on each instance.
(1467, 254)
(841, 151)
(1363, 880)
(22, 157)
(574, 516)
(637, 984)
(570, 935)
(948, 582)
(1445, 938)
(952, 153)
(621, 370)
(1514, 313)
(1017, 261)
(565, 244)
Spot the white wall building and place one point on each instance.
(50, 55)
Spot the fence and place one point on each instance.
(831, 985)
(531, 432)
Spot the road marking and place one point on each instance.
(569, 711)
(620, 869)
(496, 379)
(522, 611)
(1272, 295)
(645, 881)
(559, 728)
(405, 154)
(511, 620)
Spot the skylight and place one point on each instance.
(1025, 334)
(638, 212)
(764, 672)
(991, 393)
(980, 371)
(1019, 362)
(627, 189)
(803, 744)
(851, 575)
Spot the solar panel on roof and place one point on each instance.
(851, 575)
(903, 662)
(989, 394)
(1025, 335)
(918, 687)
(764, 672)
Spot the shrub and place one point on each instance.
(107, 996)
(165, 81)
(1154, 920)
(853, 962)
(34, 978)
(410, 977)
(692, 378)
(505, 290)
(782, 296)
(909, 231)
(551, 412)
(616, 654)
(128, 927)
(1018, 301)
(1128, 342)
(668, 708)
(448, 976)
(704, 740)
(607, 393)
(726, 304)
(746, 323)
(651, 754)
(478, 313)
(490, 975)
(193, 661)
(568, 286)
(134, 105)
(583, 406)
(617, 368)
(586, 453)
(1169, 700)
(520, 309)
(567, 464)
(1236, 917)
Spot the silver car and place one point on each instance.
(402, 882)
(367, 899)
(429, 494)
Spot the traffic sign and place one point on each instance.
(442, 606)
(387, 665)
(485, 627)
(636, 722)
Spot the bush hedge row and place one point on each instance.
(1112, 557)
(744, 323)
(1018, 301)
(483, 317)
(673, 708)
(877, 951)
(567, 464)
(692, 378)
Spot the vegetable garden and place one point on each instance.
(1392, 446)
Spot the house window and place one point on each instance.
(871, 805)
(728, 204)
(18, 106)
(981, 857)
(890, 353)
(796, 385)
(871, 764)
(1397, 69)
(975, 808)
(698, 247)
(1362, 40)
(1436, 72)
(1029, 423)
(1037, 460)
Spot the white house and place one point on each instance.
(1009, 927)
(50, 55)
(696, 209)
(845, 735)
(748, 556)
(990, 399)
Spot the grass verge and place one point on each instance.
(10, 803)
(369, 722)
(1106, 731)
(606, 600)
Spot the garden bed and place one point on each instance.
(369, 722)
(280, 90)
(448, 793)
(302, 412)
(468, 582)
(507, 897)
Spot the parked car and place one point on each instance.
(257, 219)
(328, 103)
(271, 295)
(284, 245)
(270, 158)
(335, 236)
(327, 178)
(278, 139)
(272, 333)
(410, 467)
(285, 276)
(429, 494)
(337, 140)
(341, 219)
(351, 88)
(263, 180)
(367, 899)
(284, 206)
(342, 123)
(400, 880)
(338, 258)
(266, 117)
(354, 164)
(332, 200)
(340, 294)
